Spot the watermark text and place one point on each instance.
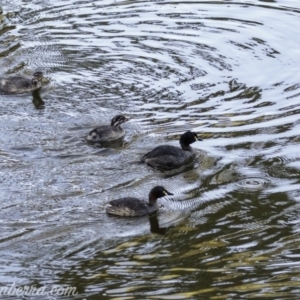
(31, 290)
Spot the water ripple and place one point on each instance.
(253, 184)
(227, 70)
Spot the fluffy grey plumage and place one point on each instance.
(19, 84)
(133, 207)
(106, 133)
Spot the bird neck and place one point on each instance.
(152, 200)
(185, 146)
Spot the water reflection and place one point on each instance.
(37, 100)
(154, 225)
(228, 71)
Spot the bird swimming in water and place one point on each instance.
(20, 84)
(168, 157)
(134, 207)
(106, 133)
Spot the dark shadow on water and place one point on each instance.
(154, 225)
(153, 222)
(37, 101)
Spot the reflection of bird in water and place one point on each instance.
(154, 225)
(20, 84)
(37, 100)
(169, 157)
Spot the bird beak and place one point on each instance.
(167, 193)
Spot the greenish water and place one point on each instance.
(226, 70)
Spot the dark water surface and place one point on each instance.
(228, 70)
